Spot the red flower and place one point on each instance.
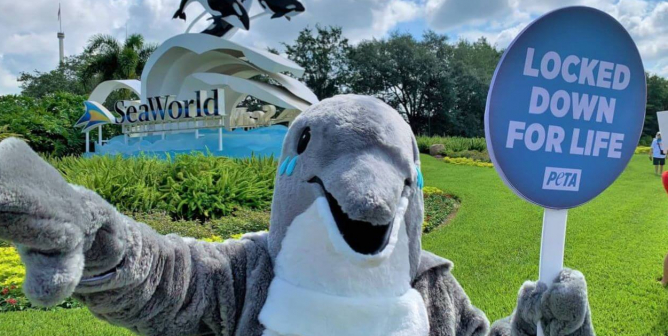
(5, 291)
(12, 301)
(12, 287)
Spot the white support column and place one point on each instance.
(196, 134)
(220, 138)
(163, 135)
(99, 135)
(87, 141)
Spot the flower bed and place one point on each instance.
(438, 207)
(467, 162)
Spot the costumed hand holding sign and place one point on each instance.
(343, 254)
(564, 114)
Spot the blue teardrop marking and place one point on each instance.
(291, 166)
(420, 178)
(284, 165)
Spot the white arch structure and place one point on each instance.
(184, 55)
(103, 90)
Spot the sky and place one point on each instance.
(28, 29)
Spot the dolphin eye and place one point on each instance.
(304, 140)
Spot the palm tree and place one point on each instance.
(111, 59)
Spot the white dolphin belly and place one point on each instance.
(318, 290)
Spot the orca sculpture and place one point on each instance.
(225, 14)
(283, 8)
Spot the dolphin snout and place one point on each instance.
(368, 188)
(363, 193)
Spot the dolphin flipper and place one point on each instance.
(562, 308)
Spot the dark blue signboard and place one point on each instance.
(565, 109)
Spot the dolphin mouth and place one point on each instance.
(362, 237)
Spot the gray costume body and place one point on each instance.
(352, 156)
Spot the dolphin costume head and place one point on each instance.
(357, 159)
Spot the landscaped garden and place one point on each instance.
(618, 240)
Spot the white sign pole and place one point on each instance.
(552, 248)
(87, 141)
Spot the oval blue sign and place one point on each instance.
(566, 107)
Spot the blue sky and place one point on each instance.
(28, 28)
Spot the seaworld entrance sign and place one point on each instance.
(192, 86)
(166, 107)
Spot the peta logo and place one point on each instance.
(563, 179)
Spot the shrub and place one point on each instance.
(201, 186)
(12, 271)
(188, 186)
(645, 140)
(164, 224)
(467, 162)
(216, 230)
(643, 150)
(454, 144)
(471, 154)
(47, 123)
(214, 239)
(6, 133)
(437, 207)
(243, 221)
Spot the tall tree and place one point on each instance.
(68, 77)
(473, 65)
(412, 76)
(657, 100)
(324, 59)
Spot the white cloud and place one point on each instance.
(386, 18)
(446, 14)
(646, 21)
(29, 28)
(8, 83)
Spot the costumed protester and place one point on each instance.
(657, 154)
(342, 257)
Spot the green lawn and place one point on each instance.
(74, 322)
(618, 241)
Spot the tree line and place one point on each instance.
(439, 86)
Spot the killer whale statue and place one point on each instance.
(226, 14)
(342, 256)
(283, 8)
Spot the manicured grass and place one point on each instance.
(618, 241)
(79, 322)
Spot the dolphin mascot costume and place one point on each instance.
(342, 256)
